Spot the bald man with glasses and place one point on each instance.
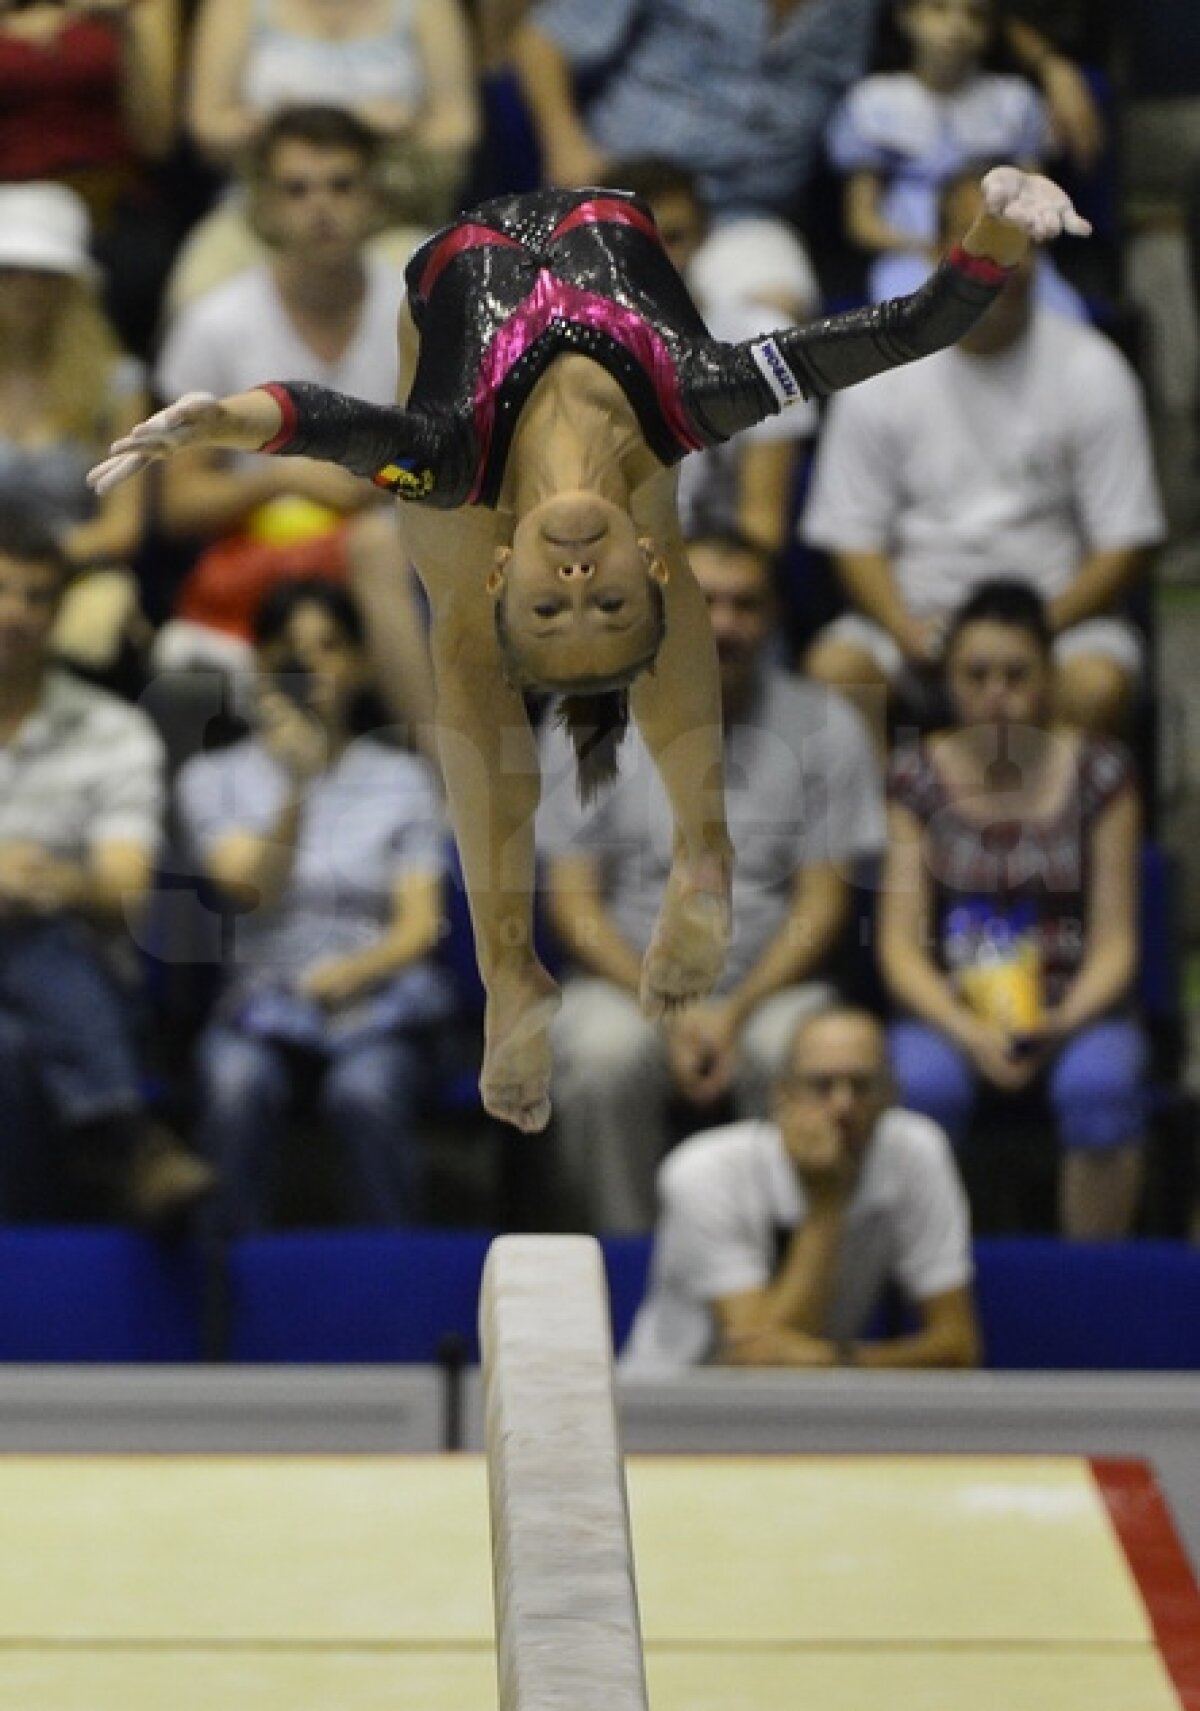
(777, 1239)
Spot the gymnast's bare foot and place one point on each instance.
(515, 1083)
(687, 953)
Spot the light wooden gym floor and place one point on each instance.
(322, 1583)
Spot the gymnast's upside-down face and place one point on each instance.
(578, 595)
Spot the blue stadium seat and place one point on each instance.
(361, 1296)
(376, 1297)
(111, 1295)
(627, 1262)
(1075, 1306)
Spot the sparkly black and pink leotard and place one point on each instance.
(521, 280)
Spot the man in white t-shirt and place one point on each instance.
(1021, 452)
(776, 1240)
(322, 308)
(81, 809)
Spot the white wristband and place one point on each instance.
(770, 362)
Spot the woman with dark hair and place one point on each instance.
(1008, 926)
(331, 849)
(555, 371)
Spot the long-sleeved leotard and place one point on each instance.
(501, 293)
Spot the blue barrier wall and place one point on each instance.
(97, 1295)
(76, 1295)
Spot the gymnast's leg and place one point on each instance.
(677, 707)
(490, 769)
(490, 766)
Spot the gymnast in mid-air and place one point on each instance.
(554, 372)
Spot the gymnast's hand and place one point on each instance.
(244, 422)
(1033, 204)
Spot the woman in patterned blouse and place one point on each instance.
(1008, 924)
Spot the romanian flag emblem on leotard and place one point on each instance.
(408, 483)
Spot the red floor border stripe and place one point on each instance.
(1156, 1557)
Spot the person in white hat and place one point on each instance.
(66, 387)
(45, 228)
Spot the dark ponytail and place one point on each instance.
(596, 725)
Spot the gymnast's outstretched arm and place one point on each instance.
(730, 387)
(402, 450)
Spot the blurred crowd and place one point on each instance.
(231, 922)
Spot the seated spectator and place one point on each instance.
(803, 806)
(320, 309)
(330, 848)
(898, 136)
(1022, 452)
(80, 816)
(87, 98)
(403, 68)
(742, 290)
(596, 77)
(1008, 933)
(65, 387)
(776, 1240)
(741, 95)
